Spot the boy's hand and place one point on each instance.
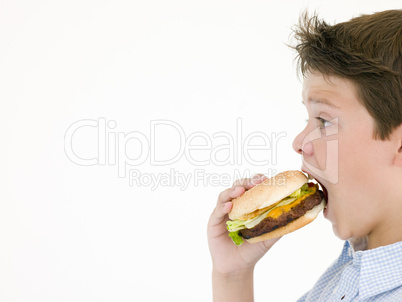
(228, 258)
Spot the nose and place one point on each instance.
(297, 144)
(302, 145)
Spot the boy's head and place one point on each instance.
(366, 50)
(352, 90)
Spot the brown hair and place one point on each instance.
(366, 50)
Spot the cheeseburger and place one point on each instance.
(275, 207)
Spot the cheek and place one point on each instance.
(326, 160)
(355, 173)
(320, 151)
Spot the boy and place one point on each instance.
(352, 92)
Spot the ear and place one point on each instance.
(398, 153)
(398, 158)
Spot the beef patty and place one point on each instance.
(270, 224)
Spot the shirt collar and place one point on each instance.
(358, 244)
(350, 247)
(380, 268)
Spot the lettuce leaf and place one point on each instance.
(300, 192)
(235, 225)
(236, 238)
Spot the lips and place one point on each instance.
(323, 188)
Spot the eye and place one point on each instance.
(323, 123)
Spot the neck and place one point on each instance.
(384, 236)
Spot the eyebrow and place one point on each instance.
(322, 101)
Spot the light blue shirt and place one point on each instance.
(361, 275)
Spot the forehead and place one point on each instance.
(329, 90)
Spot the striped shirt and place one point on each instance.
(361, 275)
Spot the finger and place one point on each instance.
(224, 204)
(229, 194)
(248, 183)
(219, 214)
(270, 242)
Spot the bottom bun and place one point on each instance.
(292, 226)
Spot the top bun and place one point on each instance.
(267, 193)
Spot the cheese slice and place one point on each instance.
(278, 211)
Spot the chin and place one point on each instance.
(338, 233)
(341, 233)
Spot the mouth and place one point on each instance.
(323, 188)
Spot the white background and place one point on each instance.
(70, 232)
